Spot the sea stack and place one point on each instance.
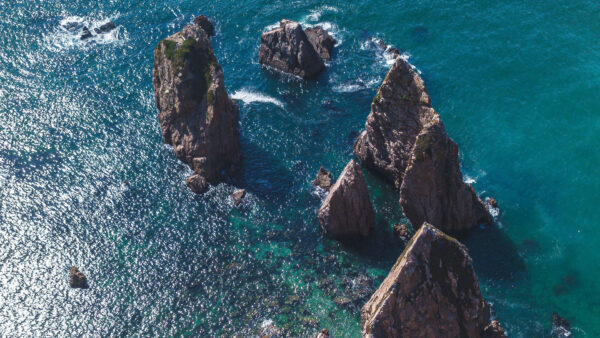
(347, 210)
(405, 141)
(77, 279)
(323, 179)
(196, 115)
(431, 291)
(288, 49)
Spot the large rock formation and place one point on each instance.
(323, 179)
(431, 291)
(406, 142)
(196, 115)
(288, 49)
(321, 41)
(347, 210)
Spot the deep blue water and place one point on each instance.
(516, 85)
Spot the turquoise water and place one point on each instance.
(516, 85)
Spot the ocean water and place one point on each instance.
(516, 84)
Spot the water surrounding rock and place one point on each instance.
(238, 196)
(347, 210)
(321, 41)
(323, 179)
(561, 328)
(77, 279)
(287, 49)
(406, 142)
(431, 291)
(105, 28)
(204, 23)
(196, 115)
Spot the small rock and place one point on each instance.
(323, 334)
(561, 328)
(492, 202)
(493, 330)
(342, 301)
(77, 279)
(238, 195)
(107, 27)
(323, 179)
(86, 34)
(401, 230)
(197, 184)
(205, 24)
(268, 329)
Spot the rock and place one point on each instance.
(196, 115)
(342, 301)
(204, 23)
(323, 179)
(405, 141)
(492, 202)
(197, 184)
(493, 330)
(238, 195)
(431, 291)
(321, 41)
(85, 34)
(401, 231)
(287, 49)
(323, 334)
(107, 27)
(77, 279)
(347, 210)
(561, 328)
(268, 329)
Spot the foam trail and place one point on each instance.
(248, 96)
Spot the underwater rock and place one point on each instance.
(86, 34)
(323, 334)
(323, 179)
(321, 41)
(493, 330)
(107, 27)
(406, 142)
(268, 329)
(196, 115)
(561, 328)
(287, 49)
(431, 291)
(204, 23)
(401, 231)
(238, 195)
(347, 210)
(77, 279)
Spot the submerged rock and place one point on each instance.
(287, 49)
(431, 291)
(238, 196)
(323, 334)
(204, 23)
(493, 330)
(347, 210)
(561, 328)
(321, 41)
(196, 115)
(105, 28)
(268, 329)
(406, 142)
(85, 34)
(77, 279)
(323, 179)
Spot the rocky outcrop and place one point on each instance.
(105, 28)
(431, 291)
(204, 23)
(493, 330)
(196, 115)
(321, 41)
(77, 279)
(347, 210)
(238, 196)
(85, 34)
(406, 142)
(401, 231)
(323, 334)
(323, 179)
(561, 328)
(287, 49)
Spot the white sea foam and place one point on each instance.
(469, 180)
(248, 96)
(68, 34)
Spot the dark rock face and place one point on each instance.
(204, 23)
(85, 34)
(77, 279)
(196, 115)
(321, 41)
(406, 142)
(432, 291)
(347, 210)
(238, 196)
(287, 49)
(493, 330)
(323, 179)
(561, 328)
(107, 27)
(197, 184)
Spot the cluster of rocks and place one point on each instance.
(105, 28)
(291, 49)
